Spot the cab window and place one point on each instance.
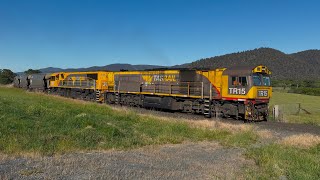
(239, 81)
(256, 80)
(243, 81)
(234, 81)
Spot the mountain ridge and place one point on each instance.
(109, 67)
(300, 65)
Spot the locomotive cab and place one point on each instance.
(247, 83)
(248, 87)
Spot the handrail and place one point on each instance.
(189, 88)
(78, 82)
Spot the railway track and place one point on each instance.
(280, 128)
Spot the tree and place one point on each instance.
(6, 76)
(32, 71)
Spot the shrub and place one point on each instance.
(307, 91)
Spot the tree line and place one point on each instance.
(7, 76)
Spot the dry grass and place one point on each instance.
(301, 141)
(122, 109)
(32, 155)
(265, 134)
(233, 128)
(205, 123)
(6, 85)
(3, 157)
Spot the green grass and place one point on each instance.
(289, 103)
(45, 124)
(36, 123)
(275, 161)
(244, 139)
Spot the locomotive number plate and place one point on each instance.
(262, 93)
(237, 91)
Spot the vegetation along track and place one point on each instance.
(281, 128)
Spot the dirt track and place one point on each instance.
(206, 160)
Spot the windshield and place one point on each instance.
(266, 80)
(256, 80)
(261, 80)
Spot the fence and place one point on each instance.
(296, 112)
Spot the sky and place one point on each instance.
(82, 33)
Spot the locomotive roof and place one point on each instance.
(164, 69)
(246, 70)
(235, 70)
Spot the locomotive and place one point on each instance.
(237, 92)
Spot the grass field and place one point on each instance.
(289, 104)
(48, 125)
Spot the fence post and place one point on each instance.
(276, 112)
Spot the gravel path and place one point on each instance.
(206, 160)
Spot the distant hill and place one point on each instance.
(110, 67)
(301, 65)
(310, 56)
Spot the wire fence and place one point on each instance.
(296, 112)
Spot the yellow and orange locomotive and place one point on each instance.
(239, 92)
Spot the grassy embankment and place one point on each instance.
(36, 123)
(289, 104)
